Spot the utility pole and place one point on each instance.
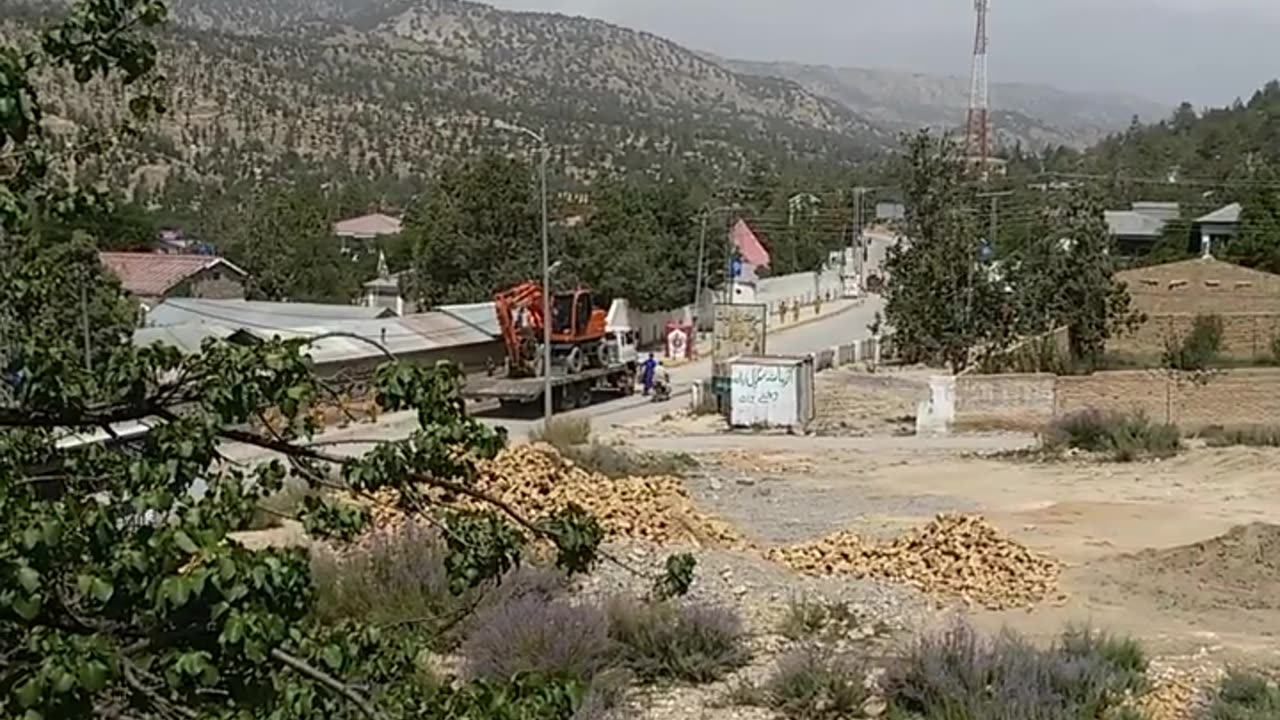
(994, 233)
(84, 323)
(548, 405)
(707, 214)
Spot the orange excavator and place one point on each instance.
(577, 330)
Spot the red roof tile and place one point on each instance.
(153, 274)
(749, 246)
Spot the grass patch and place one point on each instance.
(958, 674)
(617, 462)
(807, 619)
(1246, 696)
(1124, 437)
(676, 641)
(563, 432)
(1247, 436)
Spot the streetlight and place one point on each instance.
(547, 405)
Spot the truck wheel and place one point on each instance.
(584, 395)
(574, 360)
(628, 384)
(564, 398)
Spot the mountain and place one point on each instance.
(1229, 145)
(376, 88)
(1034, 115)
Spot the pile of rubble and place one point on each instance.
(960, 556)
(536, 481)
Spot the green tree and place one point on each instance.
(1258, 244)
(942, 303)
(122, 590)
(283, 236)
(110, 223)
(1066, 278)
(641, 243)
(475, 231)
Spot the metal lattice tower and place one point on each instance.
(978, 127)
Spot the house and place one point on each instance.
(358, 233)
(152, 277)
(1137, 230)
(1218, 227)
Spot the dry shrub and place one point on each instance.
(1125, 437)
(539, 636)
(1247, 436)
(1246, 696)
(812, 684)
(959, 675)
(675, 641)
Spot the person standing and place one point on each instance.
(646, 374)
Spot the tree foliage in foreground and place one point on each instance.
(123, 591)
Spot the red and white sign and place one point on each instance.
(679, 341)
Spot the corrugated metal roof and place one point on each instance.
(256, 314)
(187, 338)
(1227, 215)
(400, 335)
(480, 315)
(1127, 223)
(154, 274)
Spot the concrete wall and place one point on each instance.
(1191, 401)
(776, 292)
(1245, 336)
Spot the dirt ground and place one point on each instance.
(1180, 553)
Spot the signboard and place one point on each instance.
(739, 330)
(763, 396)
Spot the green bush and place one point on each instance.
(810, 684)
(670, 641)
(1246, 696)
(1199, 349)
(1248, 436)
(1125, 437)
(563, 432)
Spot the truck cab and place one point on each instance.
(622, 346)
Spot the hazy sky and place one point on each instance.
(1206, 51)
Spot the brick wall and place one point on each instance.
(1245, 336)
(1233, 397)
(1004, 400)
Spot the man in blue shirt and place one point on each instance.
(646, 374)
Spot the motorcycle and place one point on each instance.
(661, 392)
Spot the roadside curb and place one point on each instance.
(857, 303)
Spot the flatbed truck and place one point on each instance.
(569, 390)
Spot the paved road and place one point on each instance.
(843, 325)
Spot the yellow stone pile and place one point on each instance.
(959, 556)
(536, 481)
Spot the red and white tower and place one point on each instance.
(978, 128)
